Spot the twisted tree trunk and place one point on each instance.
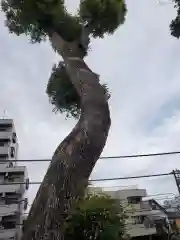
(74, 159)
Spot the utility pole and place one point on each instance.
(176, 174)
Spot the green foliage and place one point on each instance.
(102, 16)
(175, 24)
(39, 18)
(97, 217)
(62, 93)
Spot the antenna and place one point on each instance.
(4, 114)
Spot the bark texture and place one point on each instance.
(74, 159)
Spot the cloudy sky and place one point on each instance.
(140, 63)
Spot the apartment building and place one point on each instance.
(12, 193)
(137, 209)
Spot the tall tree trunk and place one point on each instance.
(74, 159)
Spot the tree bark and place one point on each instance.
(74, 159)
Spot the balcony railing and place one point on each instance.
(5, 134)
(6, 210)
(6, 234)
(4, 150)
(19, 188)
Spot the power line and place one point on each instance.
(100, 179)
(110, 157)
(131, 177)
(143, 155)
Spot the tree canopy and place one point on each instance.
(97, 217)
(38, 19)
(175, 24)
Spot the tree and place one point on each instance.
(75, 157)
(175, 24)
(97, 217)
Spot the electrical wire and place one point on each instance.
(110, 157)
(131, 177)
(100, 179)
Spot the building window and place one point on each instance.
(12, 152)
(11, 198)
(3, 157)
(9, 222)
(134, 200)
(9, 201)
(10, 179)
(154, 207)
(4, 142)
(137, 219)
(3, 129)
(9, 225)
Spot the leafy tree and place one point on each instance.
(72, 88)
(175, 24)
(97, 217)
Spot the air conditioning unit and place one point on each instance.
(12, 152)
(27, 183)
(25, 203)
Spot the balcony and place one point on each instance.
(18, 188)
(136, 210)
(4, 150)
(128, 193)
(5, 134)
(6, 234)
(21, 170)
(140, 207)
(6, 210)
(6, 121)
